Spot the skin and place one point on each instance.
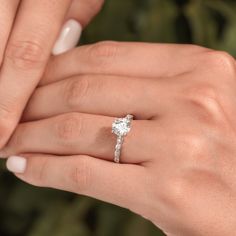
(178, 161)
(27, 39)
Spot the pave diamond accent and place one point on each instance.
(121, 127)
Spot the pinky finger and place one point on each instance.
(119, 184)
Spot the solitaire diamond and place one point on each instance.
(122, 126)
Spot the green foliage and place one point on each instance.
(30, 211)
(210, 23)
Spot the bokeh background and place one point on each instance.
(31, 211)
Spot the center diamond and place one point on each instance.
(121, 126)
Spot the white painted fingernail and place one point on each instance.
(68, 38)
(16, 164)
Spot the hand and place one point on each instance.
(24, 52)
(178, 161)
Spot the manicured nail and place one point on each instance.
(16, 164)
(68, 38)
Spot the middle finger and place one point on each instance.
(103, 95)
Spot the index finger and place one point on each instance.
(34, 33)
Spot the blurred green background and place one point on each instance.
(30, 211)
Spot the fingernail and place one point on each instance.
(16, 164)
(68, 38)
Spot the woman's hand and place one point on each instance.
(178, 161)
(29, 29)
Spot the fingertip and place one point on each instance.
(68, 38)
(16, 164)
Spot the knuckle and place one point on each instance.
(176, 192)
(104, 49)
(103, 52)
(197, 150)
(220, 61)
(75, 92)
(25, 54)
(195, 145)
(68, 128)
(80, 175)
(190, 186)
(205, 98)
(202, 92)
(179, 189)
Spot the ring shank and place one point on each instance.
(119, 142)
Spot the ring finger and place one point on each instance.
(83, 134)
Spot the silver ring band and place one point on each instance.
(121, 127)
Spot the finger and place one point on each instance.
(80, 13)
(83, 134)
(126, 59)
(26, 56)
(8, 11)
(84, 10)
(103, 95)
(123, 185)
(68, 38)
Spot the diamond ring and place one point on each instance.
(121, 127)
